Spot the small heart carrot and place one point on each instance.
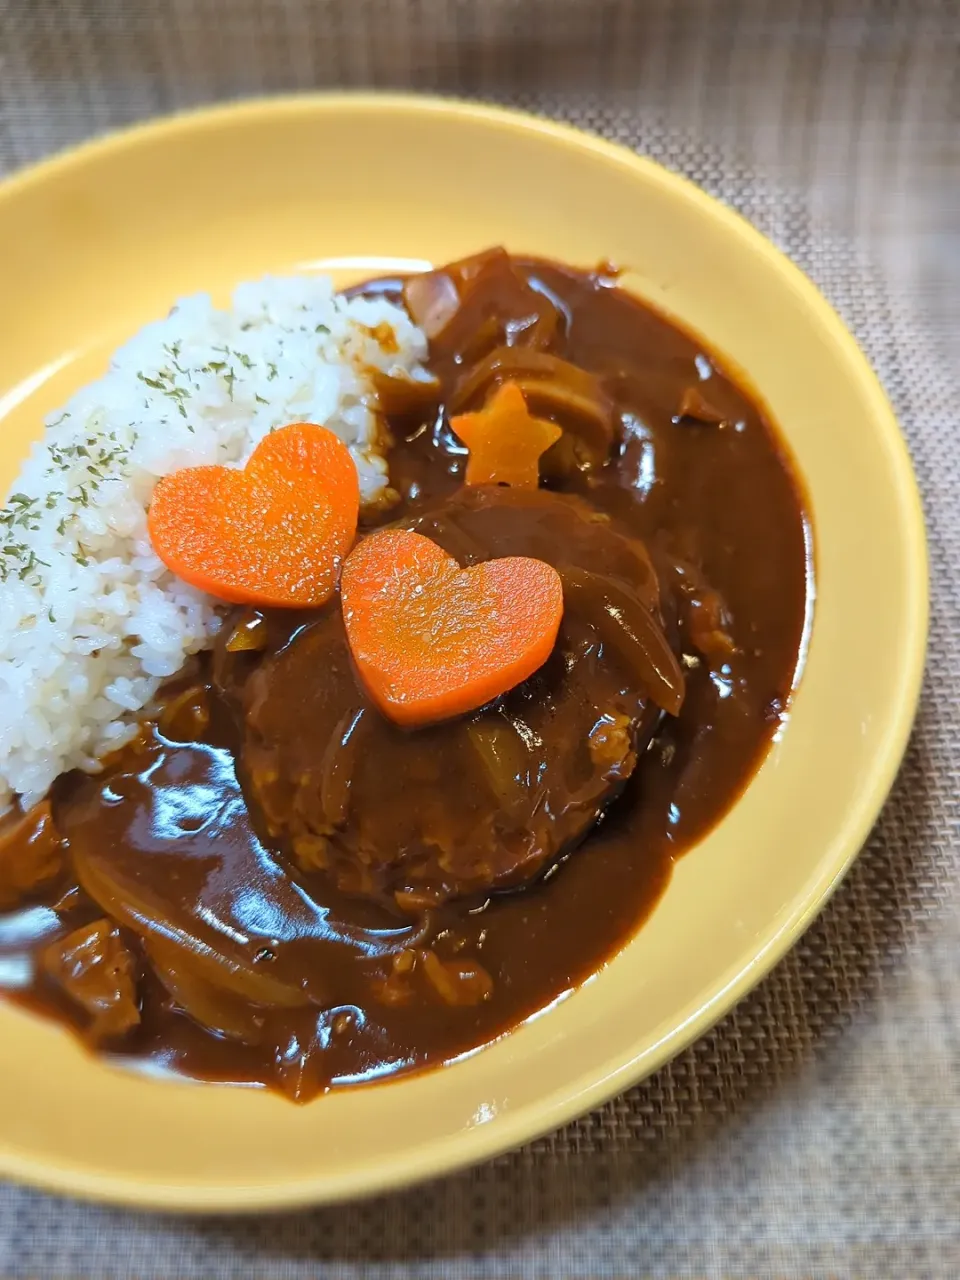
(505, 440)
(275, 533)
(431, 640)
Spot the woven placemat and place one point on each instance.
(816, 1130)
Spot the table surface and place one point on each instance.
(816, 1130)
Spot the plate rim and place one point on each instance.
(447, 1155)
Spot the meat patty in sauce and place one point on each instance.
(484, 802)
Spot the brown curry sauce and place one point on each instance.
(315, 984)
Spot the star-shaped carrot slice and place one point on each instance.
(505, 440)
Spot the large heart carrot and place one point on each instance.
(275, 533)
(431, 640)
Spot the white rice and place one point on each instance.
(90, 620)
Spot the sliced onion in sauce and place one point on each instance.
(550, 385)
(401, 395)
(432, 300)
(337, 768)
(505, 758)
(185, 715)
(456, 982)
(631, 630)
(482, 302)
(233, 973)
(249, 636)
(211, 1005)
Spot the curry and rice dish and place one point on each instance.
(367, 660)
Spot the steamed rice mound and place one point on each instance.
(91, 622)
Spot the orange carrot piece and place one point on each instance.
(505, 440)
(275, 533)
(431, 640)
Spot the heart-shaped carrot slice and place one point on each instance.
(275, 533)
(432, 640)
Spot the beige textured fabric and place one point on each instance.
(816, 1131)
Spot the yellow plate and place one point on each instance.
(98, 242)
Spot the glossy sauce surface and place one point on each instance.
(303, 974)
